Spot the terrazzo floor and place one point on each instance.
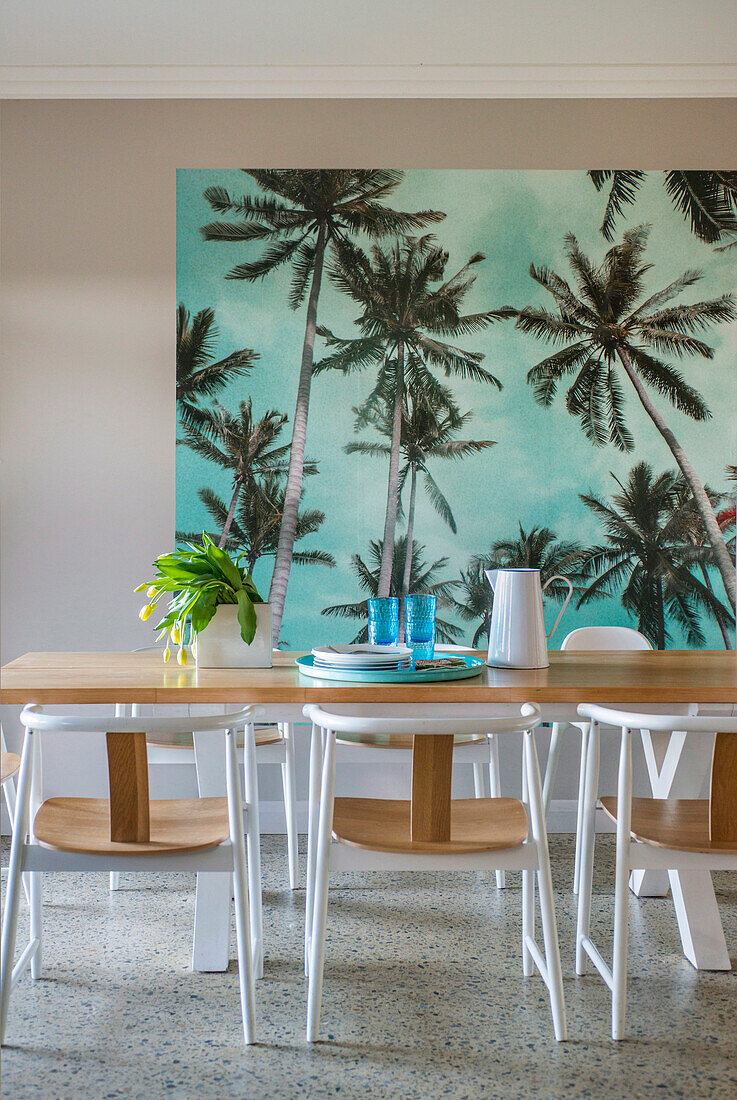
(423, 997)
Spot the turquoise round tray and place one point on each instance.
(472, 667)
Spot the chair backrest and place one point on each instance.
(723, 784)
(344, 721)
(127, 756)
(605, 637)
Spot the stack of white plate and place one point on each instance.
(375, 658)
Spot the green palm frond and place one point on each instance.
(623, 191)
(198, 375)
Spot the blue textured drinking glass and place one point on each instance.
(419, 625)
(383, 625)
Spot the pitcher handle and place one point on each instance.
(557, 577)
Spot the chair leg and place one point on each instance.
(580, 807)
(290, 805)
(253, 844)
(114, 880)
(528, 920)
(478, 781)
(495, 791)
(551, 768)
(35, 895)
(545, 883)
(621, 888)
(312, 822)
(588, 839)
(320, 908)
(240, 878)
(15, 873)
(36, 922)
(9, 792)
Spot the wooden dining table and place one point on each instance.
(661, 680)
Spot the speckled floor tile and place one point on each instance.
(423, 997)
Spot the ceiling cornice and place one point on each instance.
(581, 81)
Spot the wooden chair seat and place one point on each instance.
(264, 735)
(398, 740)
(476, 825)
(9, 765)
(176, 825)
(678, 823)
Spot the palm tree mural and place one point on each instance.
(610, 322)
(538, 548)
(428, 430)
(424, 579)
(238, 443)
(707, 200)
(254, 529)
(405, 322)
(198, 376)
(649, 555)
(303, 213)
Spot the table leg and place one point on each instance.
(697, 912)
(699, 922)
(211, 945)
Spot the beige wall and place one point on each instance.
(88, 251)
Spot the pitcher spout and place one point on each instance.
(490, 575)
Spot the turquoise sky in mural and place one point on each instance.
(541, 461)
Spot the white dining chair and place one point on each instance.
(274, 745)
(128, 830)
(593, 639)
(686, 834)
(480, 751)
(350, 834)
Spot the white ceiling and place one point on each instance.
(380, 47)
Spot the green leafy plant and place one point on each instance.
(200, 577)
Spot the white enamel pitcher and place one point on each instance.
(517, 637)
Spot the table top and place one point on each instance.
(673, 676)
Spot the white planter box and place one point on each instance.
(220, 644)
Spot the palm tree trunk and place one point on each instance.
(661, 616)
(410, 532)
(722, 625)
(288, 529)
(231, 512)
(722, 559)
(392, 494)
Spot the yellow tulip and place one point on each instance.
(151, 592)
(182, 656)
(145, 612)
(176, 635)
(167, 655)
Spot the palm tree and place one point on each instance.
(603, 326)
(537, 548)
(708, 200)
(649, 554)
(402, 321)
(237, 443)
(254, 529)
(303, 212)
(423, 580)
(697, 536)
(197, 375)
(476, 599)
(428, 429)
